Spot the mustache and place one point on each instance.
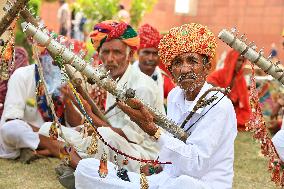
(187, 76)
(149, 62)
(110, 66)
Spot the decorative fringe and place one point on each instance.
(103, 171)
(64, 154)
(53, 132)
(93, 148)
(143, 180)
(257, 125)
(282, 179)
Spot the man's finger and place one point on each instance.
(134, 103)
(132, 113)
(124, 107)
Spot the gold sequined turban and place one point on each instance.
(191, 37)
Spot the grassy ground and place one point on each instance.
(250, 170)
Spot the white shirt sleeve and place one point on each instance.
(194, 156)
(15, 98)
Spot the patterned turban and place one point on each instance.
(110, 29)
(192, 37)
(149, 36)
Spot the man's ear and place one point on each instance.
(130, 55)
(208, 66)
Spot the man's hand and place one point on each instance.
(70, 97)
(140, 115)
(149, 169)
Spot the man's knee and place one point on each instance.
(13, 129)
(44, 129)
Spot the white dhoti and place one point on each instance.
(86, 176)
(112, 138)
(14, 135)
(278, 141)
(72, 136)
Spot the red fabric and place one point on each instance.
(168, 85)
(239, 92)
(149, 37)
(163, 67)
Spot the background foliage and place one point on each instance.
(138, 10)
(20, 36)
(95, 11)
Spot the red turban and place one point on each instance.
(149, 36)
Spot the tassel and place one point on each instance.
(125, 161)
(143, 180)
(282, 180)
(85, 130)
(103, 166)
(275, 177)
(64, 154)
(53, 133)
(93, 148)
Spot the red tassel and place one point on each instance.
(275, 177)
(282, 180)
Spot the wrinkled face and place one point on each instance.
(148, 60)
(115, 56)
(239, 63)
(190, 70)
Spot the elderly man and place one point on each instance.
(205, 160)
(115, 42)
(149, 59)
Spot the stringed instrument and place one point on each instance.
(256, 123)
(12, 9)
(248, 51)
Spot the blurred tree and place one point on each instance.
(20, 36)
(138, 10)
(98, 10)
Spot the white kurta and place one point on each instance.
(17, 133)
(204, 161)
(141, 146)
(159, 81)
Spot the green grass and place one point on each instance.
(250, 170)
(250, 167)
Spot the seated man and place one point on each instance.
(115, 42)
(26, 110)
(206, 159)
(21, 59)
(149, 59)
